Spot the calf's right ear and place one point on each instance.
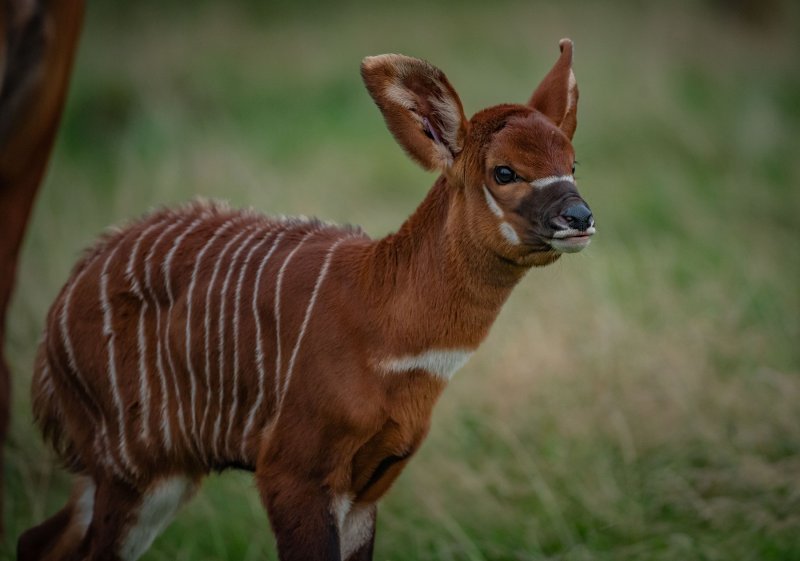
(420, 107)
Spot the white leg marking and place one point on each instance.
(236, 320)
(509, 233)
(278, 284)
(550, 179)
(259, 346)
(144, 383)
(356, 529)
(190, 365)
(84, 506)
(340, 508)
(439, 362)
(223, 297)
(166, 269)
(108, 332)
(158, 508)
(309, 308)
(207, 321)
(493, 206)
(166, 432)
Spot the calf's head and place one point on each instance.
(512, 165)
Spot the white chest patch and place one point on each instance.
(442, 363)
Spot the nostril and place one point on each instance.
(578, 216)
(559, 223)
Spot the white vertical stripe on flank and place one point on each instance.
(309, 308)
(193, 385)
(130, 273)
(166, 269)
(259, 346)
(144, 383)
(236, 320)
(278, 285)
(64, 325)
(166, 432)
(108, 332)
(107, 458)
(207, 322)
(223, 297)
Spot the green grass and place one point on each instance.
(639, 401)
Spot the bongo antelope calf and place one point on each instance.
(203, 338)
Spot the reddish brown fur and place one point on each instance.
(342, 411)
(37, 43)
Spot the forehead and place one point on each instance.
(529, 137)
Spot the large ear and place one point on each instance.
(557, 95)
(421, 108)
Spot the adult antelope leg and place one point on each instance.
(37, 43)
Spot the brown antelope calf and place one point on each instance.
(202, 338)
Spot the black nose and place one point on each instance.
(578, 216)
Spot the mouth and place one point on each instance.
(570, 240)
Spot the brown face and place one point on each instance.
(515, 162)
(528, 186)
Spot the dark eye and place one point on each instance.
(504, 175)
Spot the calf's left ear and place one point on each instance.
(557, 95)
(421, 108)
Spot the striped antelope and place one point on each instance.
(203, 338)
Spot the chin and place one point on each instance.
(539, 258)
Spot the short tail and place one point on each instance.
(47, 412)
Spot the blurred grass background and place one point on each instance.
(638, 401)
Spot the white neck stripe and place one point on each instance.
(550, 179)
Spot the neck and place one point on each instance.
(436, 285)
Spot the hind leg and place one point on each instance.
(60, 536)
(126, 520)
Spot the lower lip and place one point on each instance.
(572, 244)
